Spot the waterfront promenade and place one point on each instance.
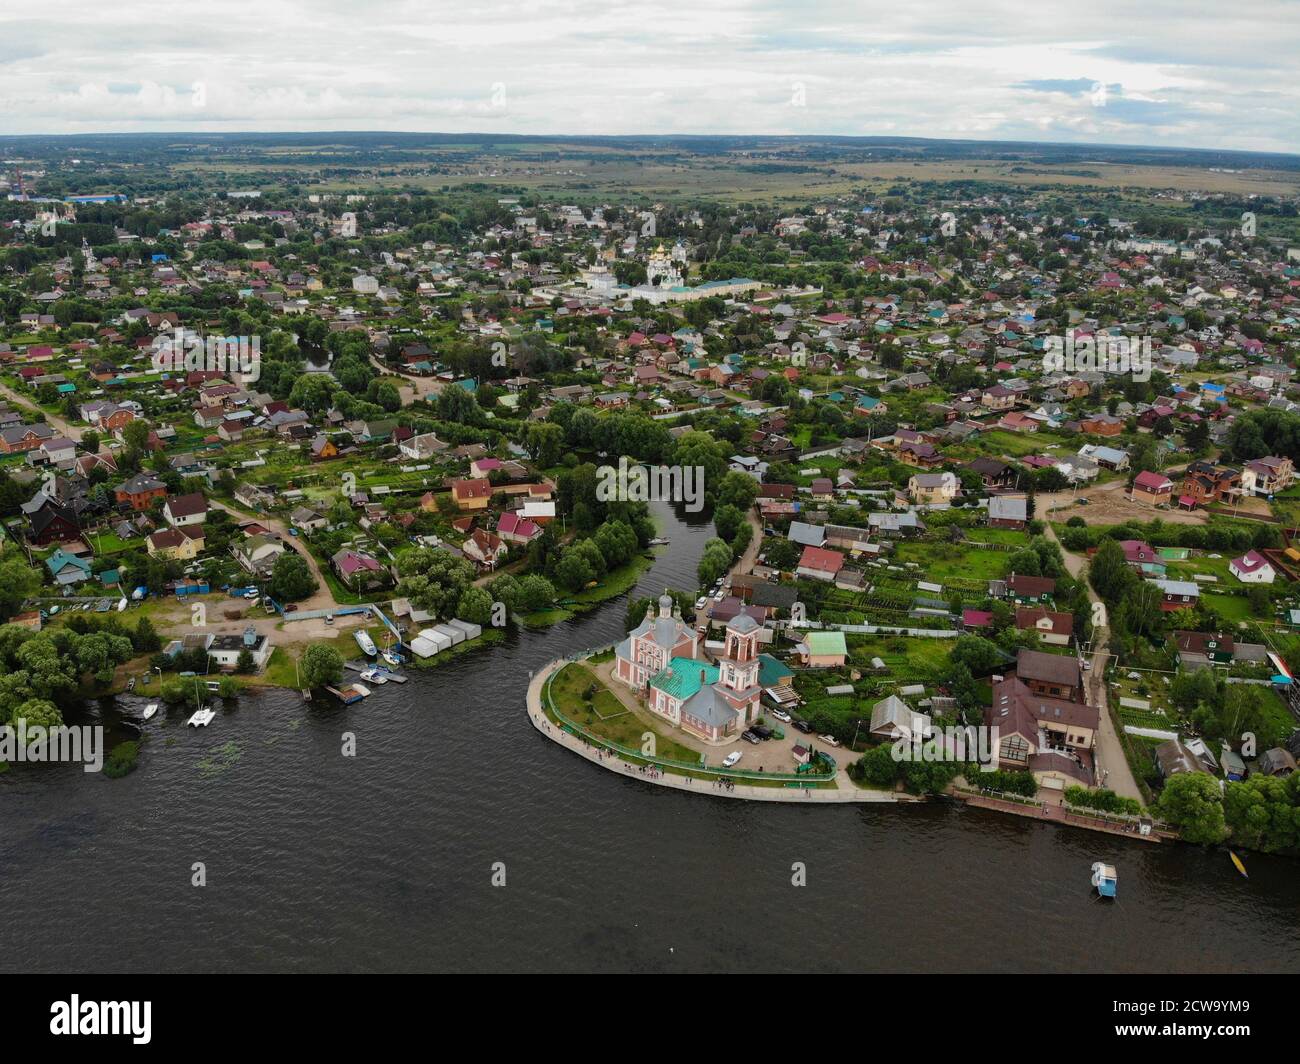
(845, 790)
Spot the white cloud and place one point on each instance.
(1219, 77)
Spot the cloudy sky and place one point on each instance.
(1133, 72)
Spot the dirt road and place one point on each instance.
(1112, 766)
(322, 598)
(70, 431)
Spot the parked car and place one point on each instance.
(731, 759)
(291, 607)
(750, 737)
(762, 731)
(829, 740)
(701, 602)
(804, 726)
(781, 715)
(329, 618)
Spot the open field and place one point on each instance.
(669, 173)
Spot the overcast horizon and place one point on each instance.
(1161, 76)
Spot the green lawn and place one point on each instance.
(944, 562)
(606, 716)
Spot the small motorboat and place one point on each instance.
(201, 718)
(1105, 879)
(658, 541)
(150, 710)
(1237, 861)
(374, 676)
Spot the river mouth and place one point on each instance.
(385, 861)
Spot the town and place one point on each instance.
(245, 427)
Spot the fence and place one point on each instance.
(876, 629)
(574, 728)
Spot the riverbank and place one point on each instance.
(705, 782)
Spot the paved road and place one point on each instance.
(845, 790)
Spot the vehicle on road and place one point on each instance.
(762, 732)
(804, 726)
(750, 737)
(731, 758)
(781, 715)
(829, 740)
(329, 618)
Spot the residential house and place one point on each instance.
(933, 488)
(1153, 489)
(359, 571)
(818, 564)
(1051, 675)
(140, 491)
(1008, 511)
(191, 509)
(1176, 594)
(183, 543)
(472, 494)
(485, 548)
(1052, 628)
(1252, 568)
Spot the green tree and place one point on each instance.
(1192, 803)
(321, 666)
(291, 578)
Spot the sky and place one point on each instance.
(1141, 72)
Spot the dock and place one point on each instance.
(1055, 814)
(346, 695)
(363, 666)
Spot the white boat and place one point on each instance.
(1105, 879)
(374, 676)
(391, 658)
(150, 710)
(121, 604)
(366, 644)
(362, 689)
(201, 718)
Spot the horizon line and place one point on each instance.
(483, 135)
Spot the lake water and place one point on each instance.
(317, 862)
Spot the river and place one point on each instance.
(319, 862)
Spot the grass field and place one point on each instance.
(606, 716)
(945, 562)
